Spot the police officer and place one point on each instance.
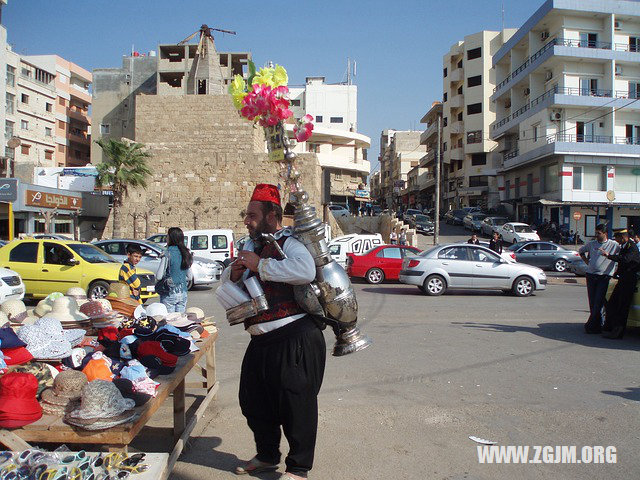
(617, 308)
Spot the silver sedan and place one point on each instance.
(465, 266)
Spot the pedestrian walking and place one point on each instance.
(474, 240)
(599, 272)
(176, 266)
(283, 366)
(496, 243)
(393, 237)
(402, 238)
(617, 307)
(128, 273)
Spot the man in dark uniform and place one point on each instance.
(283, 366)
(474, 240)
(617, 308)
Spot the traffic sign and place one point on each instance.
(577, 216)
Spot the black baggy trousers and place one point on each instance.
(617, 308)
(280, 379)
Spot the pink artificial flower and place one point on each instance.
(304, 128)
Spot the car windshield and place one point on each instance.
(522, 228)
(91, 254)
(480, 216)
(499, 221)
(422, 218)
(413, 212)
(516, 246)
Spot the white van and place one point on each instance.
(353, 243)
(214, 244)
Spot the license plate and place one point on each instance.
(16, 290)
(151, 289)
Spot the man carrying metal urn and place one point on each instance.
(284, 363)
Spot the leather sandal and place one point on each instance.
(254, 466)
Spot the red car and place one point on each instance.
(380, 263)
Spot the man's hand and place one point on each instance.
(584, 258)
(249, 260)
(135, 291)
(603, 252)
(237, 269)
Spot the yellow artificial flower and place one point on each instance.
(237, 90)
(280, 77)
(264, 77)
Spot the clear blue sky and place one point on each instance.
(398, 45)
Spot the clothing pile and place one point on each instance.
(49, 365)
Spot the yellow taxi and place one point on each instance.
(48, 266)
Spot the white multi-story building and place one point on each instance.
(341, 150)
(567, 102)
(468, 82)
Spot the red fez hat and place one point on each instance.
(266, 193)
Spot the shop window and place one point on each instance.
(199, 242)
(474, 53)
(25, 253)
(63, 227)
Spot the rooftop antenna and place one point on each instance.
(502, 15)
(348, 71)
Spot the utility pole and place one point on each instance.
(436, 230)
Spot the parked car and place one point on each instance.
(380, 263)
(159, 238)
(546, 255)
(473, 221)
(409, 214)
(48, 266)
(352, 243)
(467, 266)
(422, 224)
(633, 320)
(214, 244)
(454, 217)
(491, 224)
(339, 211)
(205, 272)
(51, 236)
(517, 232)
(577, 266)
(11, 285)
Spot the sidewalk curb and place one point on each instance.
(567, 281)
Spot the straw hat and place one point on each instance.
(158, 311)
(42, 308)
(101, 402)
(15, 310)
(79, 294)
(121, 290)
(198, 313)
(3, 319)
(67, 387)
(66, 310)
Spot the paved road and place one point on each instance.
(516, 371)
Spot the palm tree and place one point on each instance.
(124, 167)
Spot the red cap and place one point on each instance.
(266, 193)
(155, 349)
(18, 404)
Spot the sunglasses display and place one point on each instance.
(65, 465)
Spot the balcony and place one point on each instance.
(428, 133)
(77, 114)
(79, 137)
(457, 101)
(457, 127)
(456, 75)
(457, 153)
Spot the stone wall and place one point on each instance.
(206, 160)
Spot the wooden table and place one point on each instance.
(51, 429)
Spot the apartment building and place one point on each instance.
(73, 123)
(375, 188)
(468, 82)
(429, 138)
(30, 116)
(341, 150)
(568, 115)
(400, 151)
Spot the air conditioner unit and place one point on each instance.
(617, 25)
(556, 116)
(548, 76)
(526, 91)
(544, 35)
(618, 70)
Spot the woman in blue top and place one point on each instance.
(179, 260)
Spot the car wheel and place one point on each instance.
(375, 276)
(422, 289)
(523, 287)
(190, 284)
(560, 265)
(98, 289)
(434, 285)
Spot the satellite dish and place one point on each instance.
(611, 195)
(14, 142)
